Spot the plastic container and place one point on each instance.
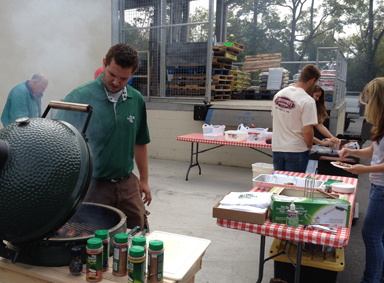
(314, 268)
(136, 264)
(94, 260)
(236, 136)
(155, 261)
(213, 132)
(261, 168)
(256, 134)
(76, 266)
(104, 236)
(120, 252)
(265, 182)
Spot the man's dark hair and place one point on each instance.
(309, 72)
(125, 56)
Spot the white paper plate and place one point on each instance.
(339, 166)
(343, 188)
(180, 252)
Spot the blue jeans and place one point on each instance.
(373, 233)
(290, 161)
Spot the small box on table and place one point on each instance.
(236, 215)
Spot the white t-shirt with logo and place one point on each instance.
(292, 109)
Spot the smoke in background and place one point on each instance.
(66, 40)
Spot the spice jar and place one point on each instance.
(136, 264)
(104, 236)
(155, 261)
(94, 260)
(142, 242)
(76, 266)
(120, 248)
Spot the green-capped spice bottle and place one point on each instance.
(104, 236)
(155, 261)
(120, 251)
(94, 260)
(142, 242)
(136, 264)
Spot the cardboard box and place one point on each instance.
(332, 212)
(241, 216)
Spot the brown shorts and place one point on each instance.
(123, 194)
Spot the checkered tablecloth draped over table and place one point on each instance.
(199, 138)
(282, 231)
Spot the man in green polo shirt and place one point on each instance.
(118, 135)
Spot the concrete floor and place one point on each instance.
(185, 207)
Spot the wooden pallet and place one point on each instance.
(261, 62)
(221, 82)
(234, 45)
(221, 60)
(217, 97)
(225, 55)
(230, 50)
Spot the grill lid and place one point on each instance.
(44, 179)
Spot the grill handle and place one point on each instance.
(69, 106)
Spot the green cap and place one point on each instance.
(94, 243)
(136, 251)
(155, 245)
(102, 234)
(139, 241)
(121, 238)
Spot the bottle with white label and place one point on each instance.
(292, 216)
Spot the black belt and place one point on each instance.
(115, 180)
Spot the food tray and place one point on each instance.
(266, 181)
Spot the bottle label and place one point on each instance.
(155, 267)
(292, 215)
(136, 271)
(94, 266)
(160, 262)
(105, 255)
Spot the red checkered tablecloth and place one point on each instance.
(282, 231)
(199, 138)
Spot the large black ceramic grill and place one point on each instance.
(44, 178)
(45, 172)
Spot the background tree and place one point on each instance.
(303, 25)
(364, 45)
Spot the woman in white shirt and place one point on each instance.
(373, 228)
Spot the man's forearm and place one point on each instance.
(308, 135)
(141, 158)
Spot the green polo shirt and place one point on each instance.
(112, 137)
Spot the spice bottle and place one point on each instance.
(155, 261)
(104, 236)
(120, 248)
(76, 266)
(293, 216)
(94, 260)
(136, 264)
(142, 242)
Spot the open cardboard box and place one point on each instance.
(241, 216)
(300, 193)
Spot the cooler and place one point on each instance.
(315, 268)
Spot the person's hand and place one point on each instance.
(356, 169)
(144, 189)
(335, 140)
(327, 142)
(344, 152)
